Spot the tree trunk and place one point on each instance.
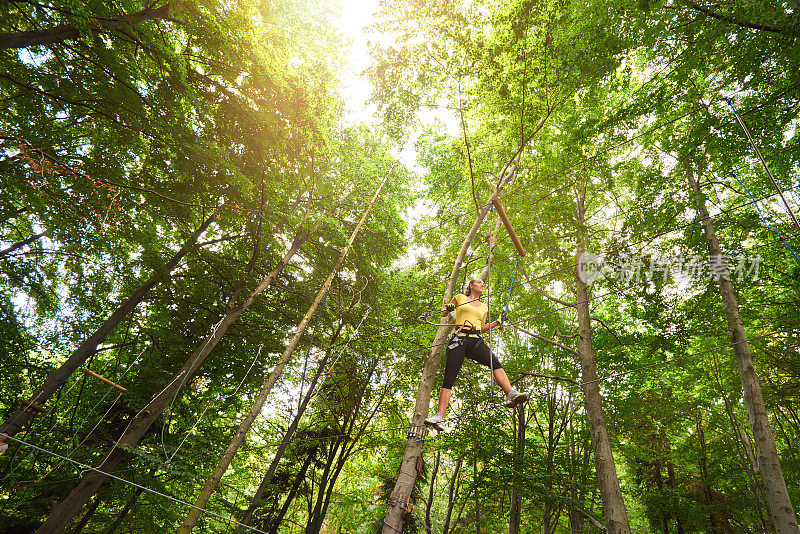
(57, 378)
(673, 487)
(255, 410)
(780, 505)
(124, 512)
(477, 496)
(431, 490)
(64, 32)
(328, 480)
(265, 482)
(20, 244)
(301, 475)
(660, 485)
(515, 514)
(63, 512)
(393, 522)
(610, 493)
(452, 495)
(86, 517)
(708, 496)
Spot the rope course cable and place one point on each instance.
(550, 312)
(764, 221)
(599, 380)
(764, 163)
(168, 413)
(210, 402)
(134, 484)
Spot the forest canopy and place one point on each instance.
(222, 302)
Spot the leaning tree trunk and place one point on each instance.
(610, 493)
(58, 377)
(432, 490)
(452, 495)
(348, 445)
(273, 466)
(63, 512)
(246, 423)
(708, 495)
(393, 522)
(780, 505)
(298, 480)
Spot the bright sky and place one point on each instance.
(356, 90)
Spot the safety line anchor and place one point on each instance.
(418, 433)
(398, 499)
(103, 379)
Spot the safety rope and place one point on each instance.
(764, 220)
(488, 304)
(764, 163)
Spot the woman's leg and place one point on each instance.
(502, 380)
(444, 400)
(478, 351)
(454, 359)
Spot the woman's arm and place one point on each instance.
(493, 324)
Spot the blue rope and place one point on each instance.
(764, 220)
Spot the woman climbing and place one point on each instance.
(466, 341)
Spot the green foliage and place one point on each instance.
(116, 144)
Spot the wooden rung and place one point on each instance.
(102, 379)
(503, 217)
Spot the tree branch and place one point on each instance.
(64, 32)
(742, 23)
(607, 328)
(548, 340)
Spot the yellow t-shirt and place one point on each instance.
(468, 314)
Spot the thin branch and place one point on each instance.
(607, 328)
(738, 22)
(548, 340)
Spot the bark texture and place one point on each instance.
(616, 516)
(781, 509)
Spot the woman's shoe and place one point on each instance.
(514, 397)
(435, 421)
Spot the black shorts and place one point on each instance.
(474, 348)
